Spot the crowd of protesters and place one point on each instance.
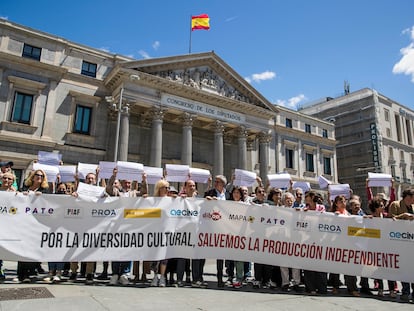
(237, 273)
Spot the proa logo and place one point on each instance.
(8, 210)
(101, 212)
(330, 228)
(42, 211)
(236, 217)
(214, 215)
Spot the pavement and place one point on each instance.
(40, 295)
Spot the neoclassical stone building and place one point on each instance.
(91, 105)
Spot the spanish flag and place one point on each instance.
(200, 22)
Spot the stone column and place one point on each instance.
(124, 133)
(187, 140)
(218, 148)
(242, 148)
(264, 140)
(49, 113)
(156, 137)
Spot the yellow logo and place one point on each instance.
(142, 213)
(364, 232)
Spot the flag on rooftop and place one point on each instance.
(200, 22)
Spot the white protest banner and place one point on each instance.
(89, 191)
(67, 173)
(63, 228)
(379, 180)
(50, 171)
(323, 182)
(304, 185)
(244, 178)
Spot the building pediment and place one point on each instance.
(204, 72)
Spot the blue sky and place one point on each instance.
(293, 52)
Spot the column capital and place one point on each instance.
(241, 132)
(218, 127)
(188, 119)
(264, 137)
(157, 114)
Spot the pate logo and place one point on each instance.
(214, 215)
(329, 228)
(402, 236)
(236, 217)
(8, 210)
(272, 221)
(73, 212)
(43, 211)
(302, 226)
(364, 232)
(183, 213)
(103, 212)
(142, 213)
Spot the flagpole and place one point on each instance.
(191, 31)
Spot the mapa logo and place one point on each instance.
(8, 210)
(237, 217)
(214, 215)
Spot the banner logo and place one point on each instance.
(39, 211)
(183, 213)
(272, 221)
(102, 212)
(73, 212)
(241, 218)
(303, 226)
(401, 236)
(142, 213)
(8, 210)
(214, 215)
(364, 232)
(329, 228)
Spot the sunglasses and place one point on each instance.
(39, 175)
(7, 178)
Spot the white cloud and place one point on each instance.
(156, 45)
(144, 54)
(406, 64)
(292, 102)
(4, 17)
(258, 77)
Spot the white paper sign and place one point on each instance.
(154, 174)
(341, 189)
(244, 178)
(279, 180)
(106, 169)
(90, 191)
(323, 182)
(50, 171)
(379, 180)
(85, 168)
(129, 170)
(49, 158)
(177, 172)
(304, 185)
(199, 175)
(67, 173)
